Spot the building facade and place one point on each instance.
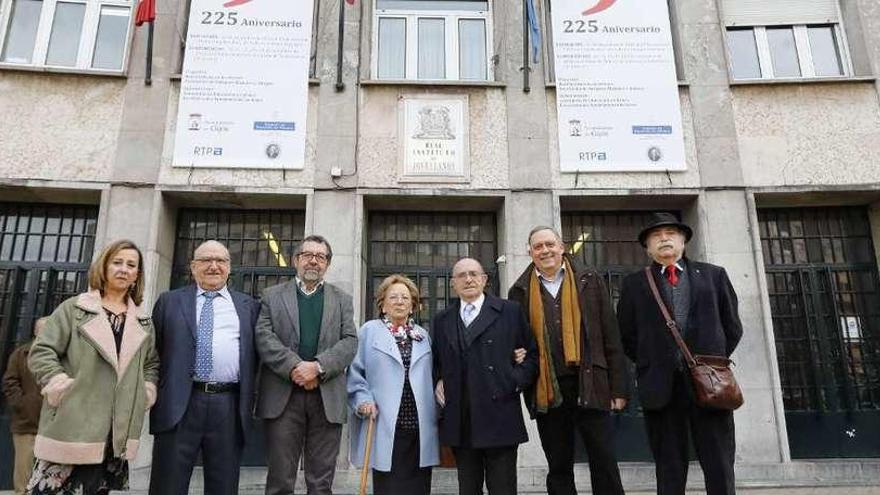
(781, 118)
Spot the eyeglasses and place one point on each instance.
(208, 261)
(307, 256)
(467, 275)
(399, 298)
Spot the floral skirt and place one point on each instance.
(50, 478)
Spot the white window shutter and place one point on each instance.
(776, 12)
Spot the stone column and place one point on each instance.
(336, 215)
(527, 128)
(705, 70)
(522, 212)
(728, 230)
(724, 220)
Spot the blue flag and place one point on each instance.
(535, 30)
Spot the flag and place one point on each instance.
(535, 30)
(146, 12)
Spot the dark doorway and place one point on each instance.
(822, 280)
(45, 251)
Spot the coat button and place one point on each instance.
(587, 370)
(494, 397)
(490, 368)
(488, 341)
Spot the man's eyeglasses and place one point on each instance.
(307, 256)
(208, 261)
(467, 275)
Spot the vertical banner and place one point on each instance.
(616, 90)
(244, 89)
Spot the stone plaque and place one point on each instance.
(434, 139)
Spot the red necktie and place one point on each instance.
(672, 274)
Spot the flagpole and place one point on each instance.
(339, 84)
(526, 67)
(148, 77)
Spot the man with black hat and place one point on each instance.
(704, 306)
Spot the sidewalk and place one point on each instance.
(746, 491)
(806, 477)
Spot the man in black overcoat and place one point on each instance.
(704, 305)
(478, 348)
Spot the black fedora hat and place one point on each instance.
(664, 219)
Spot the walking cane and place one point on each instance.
(367, 449)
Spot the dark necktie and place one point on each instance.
(672, 274)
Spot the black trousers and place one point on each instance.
(557, 429)
(406, 476)
(210, 425)
(496, 466)
(713, 437)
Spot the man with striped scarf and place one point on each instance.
(582, 372)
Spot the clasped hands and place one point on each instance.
(305, 374)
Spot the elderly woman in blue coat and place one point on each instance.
(390, 380)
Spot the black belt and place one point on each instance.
(215, 387)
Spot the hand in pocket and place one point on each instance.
(57, 388)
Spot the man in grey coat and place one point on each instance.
(306, 338)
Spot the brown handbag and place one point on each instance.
(715, 386)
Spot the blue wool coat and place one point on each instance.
(376, 375)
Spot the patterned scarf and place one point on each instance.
(402, 333)
(547, 387)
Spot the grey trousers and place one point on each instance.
(302, 428)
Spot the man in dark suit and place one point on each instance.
(569, 311)
(306, 338)
(205, 340)
(479, 381)
(704, 305)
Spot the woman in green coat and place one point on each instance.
(97, 364)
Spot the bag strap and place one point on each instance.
(670, 322)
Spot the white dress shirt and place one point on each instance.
(227, 334)
(552, 286)
(677, 265)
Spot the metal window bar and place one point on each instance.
(825, 303)
(38, 268)
(424, 246)
(261, 244)
(607, 241)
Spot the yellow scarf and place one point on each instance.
(548, 388)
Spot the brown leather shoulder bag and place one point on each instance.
(715, 386)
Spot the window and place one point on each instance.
(77, 34)
(261, 244)
(432, 40)
(424, 246)
(788, 39)
(779, 52)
